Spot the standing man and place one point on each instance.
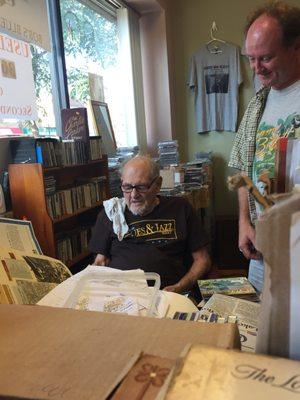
(149, 231)
(273, 49)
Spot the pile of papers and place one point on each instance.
(106, 289)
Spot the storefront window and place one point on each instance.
(45, 122)
(92, 54)
(94, 49)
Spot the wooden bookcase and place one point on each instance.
(28, 196)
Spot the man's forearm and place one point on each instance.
(201, 265)
(246, 230)
(244, 216)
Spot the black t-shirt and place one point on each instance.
(157, 242)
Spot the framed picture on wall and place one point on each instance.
(103, 126)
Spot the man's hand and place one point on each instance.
(101, 260)
(246, 230)
(247, 241)
(201, 265)
(173, 288)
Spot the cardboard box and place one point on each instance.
(62, 353)
(168, 178)
(171, 177)
(273, 240)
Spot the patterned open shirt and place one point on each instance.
(243, 150)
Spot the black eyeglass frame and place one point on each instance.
(138, 188)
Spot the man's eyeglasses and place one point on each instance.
(139, 188)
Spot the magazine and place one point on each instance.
(236, 286)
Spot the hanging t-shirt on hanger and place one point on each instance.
(215, 76)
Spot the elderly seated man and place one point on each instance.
(151, 232)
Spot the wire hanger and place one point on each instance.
(213, 40)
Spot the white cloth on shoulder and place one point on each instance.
(114, 209)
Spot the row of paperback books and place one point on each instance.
(73, 244)
(69, 152)
(55, 153)
(69, 201)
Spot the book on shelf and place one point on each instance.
(95, 147)
(236, 286)
(75, 123)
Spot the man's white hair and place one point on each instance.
(152, 164)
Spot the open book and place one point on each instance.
(25, 277)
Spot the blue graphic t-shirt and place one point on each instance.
(281, 118)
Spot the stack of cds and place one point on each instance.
(114, 177)
(176, 191)
(125, 153)
(168, 152)
(198, 171)
(114, 163)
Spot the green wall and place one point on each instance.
(189, 27)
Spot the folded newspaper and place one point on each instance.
(245, 312)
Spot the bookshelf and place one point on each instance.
(30, 201)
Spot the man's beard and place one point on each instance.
(139, 210)
(143, 209)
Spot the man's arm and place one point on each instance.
(201, 265)
(246, 230)
(101, 260)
